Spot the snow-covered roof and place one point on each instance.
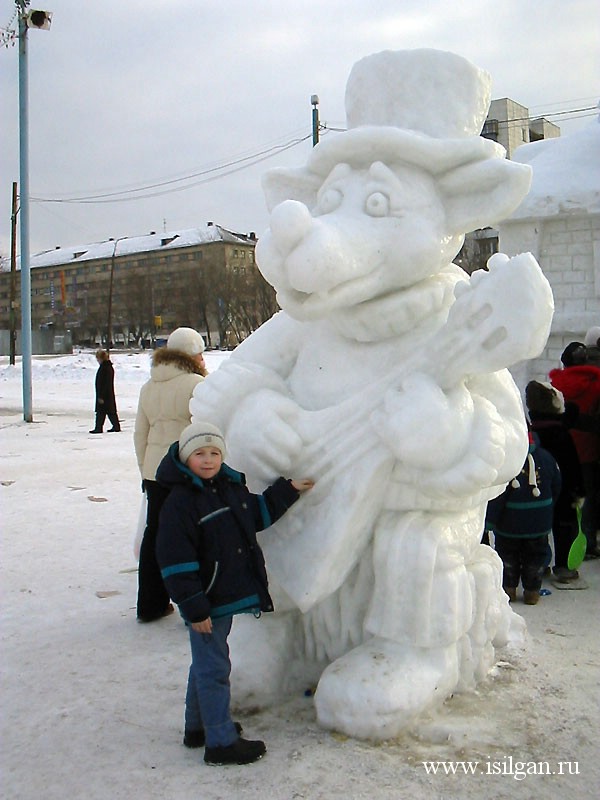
(566, 174)
(138, 244)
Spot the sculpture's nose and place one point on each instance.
(290, 222)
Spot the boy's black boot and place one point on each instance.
(243, 751)
(198, 738)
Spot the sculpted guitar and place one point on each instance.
(487, 329)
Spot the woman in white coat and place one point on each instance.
(163, 412)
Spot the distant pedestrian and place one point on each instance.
(106, 404)
(163, 412)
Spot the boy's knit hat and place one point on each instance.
(199, 434)
(187, 340)
(543, 398)
(574, 354)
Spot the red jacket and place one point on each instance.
(581, 385)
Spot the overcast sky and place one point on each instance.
(139, 94)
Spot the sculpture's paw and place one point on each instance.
(377, 689)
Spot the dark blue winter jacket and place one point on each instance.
(210, 560)
(525, 507)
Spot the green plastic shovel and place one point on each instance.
(579, 546)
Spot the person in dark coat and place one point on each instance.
(106, 404)
(213, 568)
(546, 408)
(521, 519)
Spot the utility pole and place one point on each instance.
(13, 275)
(314, 100)
(40, 20)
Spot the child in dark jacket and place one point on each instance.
(521, 519)
(213, 568)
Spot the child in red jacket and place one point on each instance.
(579, 383)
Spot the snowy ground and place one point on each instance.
(92, 701)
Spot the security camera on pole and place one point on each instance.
(28, 18)
(39, 19)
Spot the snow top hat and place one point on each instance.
(422, 107)
(199, 434)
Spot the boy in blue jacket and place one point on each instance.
(521, 519)
(213, 568)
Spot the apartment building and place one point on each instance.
(509, 124)
(142, 287)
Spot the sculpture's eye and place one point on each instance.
(377, 205)
(330, 200)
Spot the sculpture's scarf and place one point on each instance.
(396, 313)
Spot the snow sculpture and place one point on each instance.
(384, 378)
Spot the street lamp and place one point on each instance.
(40, 20)
(314, 100)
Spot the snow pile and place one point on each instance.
(566, 174)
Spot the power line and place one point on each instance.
(243, 162)
(515, 122)
(102, 191)
(551, 114)
(587, 99)
(587, 111)
(224, 169)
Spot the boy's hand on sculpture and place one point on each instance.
(302, 485)
(205, 626)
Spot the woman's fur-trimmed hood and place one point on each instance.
(165, 356)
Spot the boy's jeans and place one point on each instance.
(208, 695)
